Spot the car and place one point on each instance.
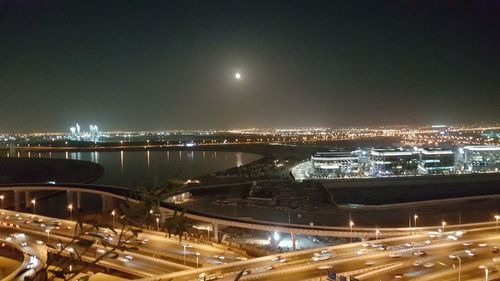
(247, 272)
(495, 250)
(24, 244)
(427, 242)
(101, 251)
(39, 242)
(452, 237)
(417, 263)
(271, 267)
(129, 257)
(362, 251)
(123, 260)
(370, 263)
(428, 264)
(395, 255)
(18, 235)
(276, 258)
(467, 244)
(219, 257)
(419, 253)
(322, 256)
(482, 244)
(398, 276)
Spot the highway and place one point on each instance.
(149, 244)
(425, 255)
(355, 258)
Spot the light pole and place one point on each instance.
(415, 217)
(459, 264)
(276, 237)
(70, 209)
(443, 224)
(377, 232)
(185, 246)
(197, 254)
(157, 224)
(486, 274)
(113, 213)
(33, 201)
(351, 224)
(497, 217)
(2, 197)
(48, 234)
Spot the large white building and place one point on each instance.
(397, 161)
(335, 164)
(393, 161)
(484, 158)
(436, 161)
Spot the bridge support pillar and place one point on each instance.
(17, 201)
(108, 204)
(27, 198)
(294, 241)
(78, 200)
(216, 232)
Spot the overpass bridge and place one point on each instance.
(110, 194)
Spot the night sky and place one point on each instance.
(171, 64)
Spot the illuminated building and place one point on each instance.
(393, 161)
(436, 161)
(334, 164)
(484, 158)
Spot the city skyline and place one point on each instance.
(153, 65)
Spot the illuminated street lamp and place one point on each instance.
(497, 217)
(459, 264)
(443, 224)
(486, 271)
(351, 224)
(185, 246)
(2, 197)
(157, 224)
(197, 254)
(48, 234)
(415, 217)
(33, 201)
(276, 238)
(70, 209)
(113, 213)
(377, 232)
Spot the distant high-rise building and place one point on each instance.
(92, 135)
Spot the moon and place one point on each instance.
(237, 76)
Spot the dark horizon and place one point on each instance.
(147, 65)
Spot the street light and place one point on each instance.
(113, 213)
(2, 197)
(443, 224)
(157, 224)
(33, 201)
(48, 234)
(497, 217)
(415, 217)
(197, 254)
(351, 224)
(70, 209)
(459, 264)
(377, 232)
(185, 246)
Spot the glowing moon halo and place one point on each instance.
(237, 76)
